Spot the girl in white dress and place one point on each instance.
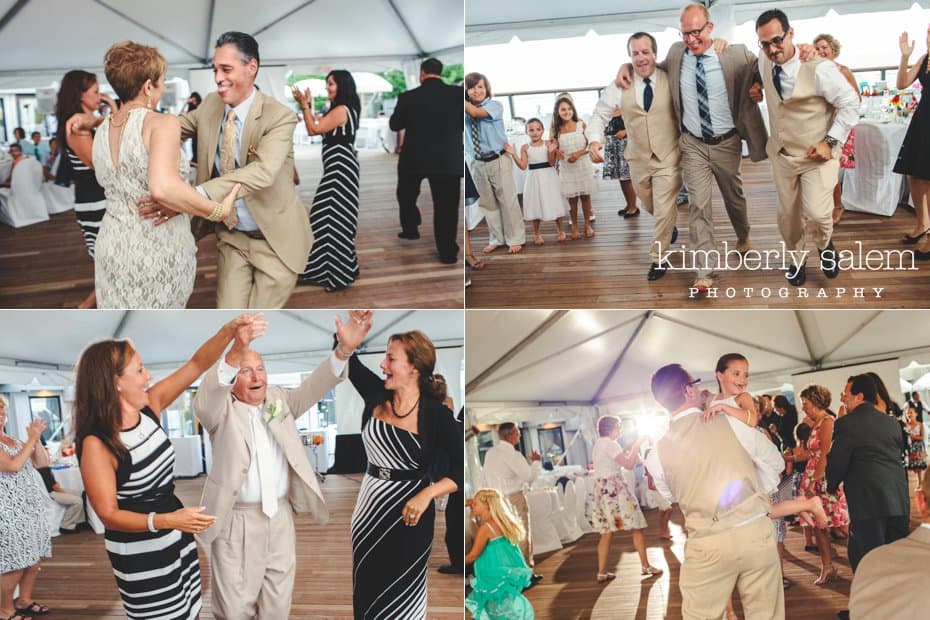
(576, 170)
(542, 195)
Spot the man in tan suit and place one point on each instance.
(265, 245)
(260, 475)
(718, 471)
(892, 580)
(811, 108)
(652, 150)
(710, 95)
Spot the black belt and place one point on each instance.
(540, 166)
(383, 473)
(715, 139)
(252, 234)
(490, 157)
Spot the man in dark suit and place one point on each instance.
(432, 117)
(866, 457)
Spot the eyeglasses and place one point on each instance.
(775, 41)
(693, 382)
(693, 34)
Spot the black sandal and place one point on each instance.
(33, 609)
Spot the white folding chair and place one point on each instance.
(23, 204)
(545, 537)
(558, 514)
(569, 514)
(584, 495)
(58, 199)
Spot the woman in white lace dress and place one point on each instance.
(137, 153)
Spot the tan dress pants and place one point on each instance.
(498, 201)
(700, 164)
(250, 274)
(657, 184)
(254, 563)
(805, 198)
(518, 501)
(745, 557)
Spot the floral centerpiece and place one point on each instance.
(903, 104)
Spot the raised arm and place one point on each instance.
(318, 125)
(522, 159)
(165, 184)
(168, 389)
(906, 76)
(475, 111)
(631, 458)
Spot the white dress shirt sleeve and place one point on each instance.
(654, 466)
(603, 111)
(832, 86)
(336, 364)
(227, 373)
(766, 457)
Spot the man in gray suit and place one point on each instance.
(710, 96)
(260, 476)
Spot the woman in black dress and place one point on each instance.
(334, 216)
(403, 428)
(914, 156)
(127, 464)
(80, 94)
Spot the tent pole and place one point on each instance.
(617, 362)
(11, 13)
(403, 22)
(152, 32)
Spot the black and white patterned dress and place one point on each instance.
(334, 215)
(24, 531)
(158, 574)
(90, 202)
(389, 558)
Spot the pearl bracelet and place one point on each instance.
(151, 522)
(217, 214)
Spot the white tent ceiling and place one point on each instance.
(544, 358)
(489, 22)
(46, 344)
(45, 38)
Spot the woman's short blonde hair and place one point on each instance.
(831, 41)
(128, 65)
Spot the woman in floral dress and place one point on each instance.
(815, 399)
(916, 448)
(615, 506)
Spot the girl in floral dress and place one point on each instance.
(615, 506)
(916, 448)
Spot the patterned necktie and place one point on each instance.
(475, 139)
(37, 151)
(263, 459)
(228, 159)
(647, 94)
(776, 77)
(707, 129)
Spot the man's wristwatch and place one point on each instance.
(831, 141)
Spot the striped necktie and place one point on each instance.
(707, 128)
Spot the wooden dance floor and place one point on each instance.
(569, 590)
(46, 265)
(77, 581)
(609, 271)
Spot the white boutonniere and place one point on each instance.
(273, 409)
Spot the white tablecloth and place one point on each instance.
(70, 478)
(188, 461)
(872, 187)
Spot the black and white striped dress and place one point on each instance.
(158, 574)
(389, 559)
(334, 215)
(89, 200)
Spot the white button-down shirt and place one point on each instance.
(720, 117)
(507, 470)
(830, 84)
(766, 457)
(251, 491)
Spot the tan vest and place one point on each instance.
(710, 474)
(654, 133)
(801, 120)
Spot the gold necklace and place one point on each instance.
(116, 121)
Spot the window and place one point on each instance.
(552, 445)
(178, 418)
(47, 408)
